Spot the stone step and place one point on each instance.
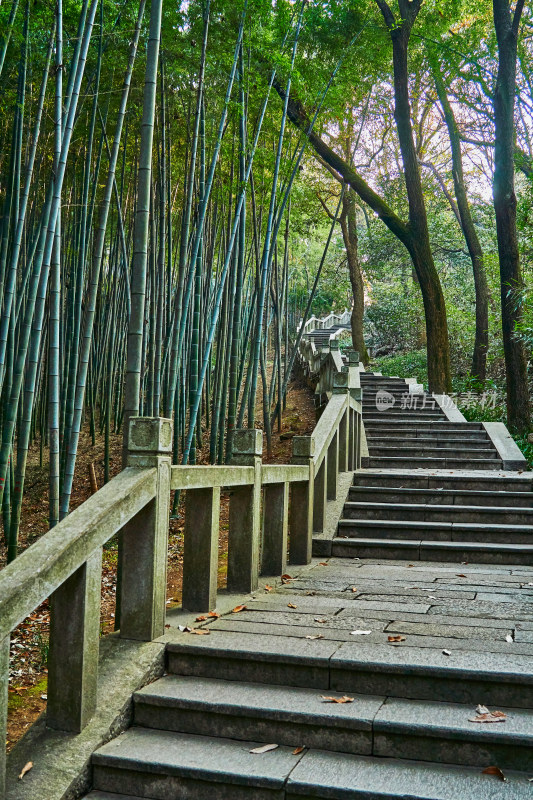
(163, 765)
(441, 531)
(447, 497)
(372, 725)
(428, 550)
(268, 713)
(506, 482)
(474, 441)
(375, 462)
(392, 415)
(428, 451)
(203, 768)
(438, 512)
(344, 777)
(423, 426)
(413, 673)
(408, 418)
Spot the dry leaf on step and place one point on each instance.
(342, 700)
(320, 619)
(26, 768)
(291, 605)
(268, 588)
(201, 619)
(201, 631)
(494, 771)
(460, 575)
(322, 563)
(354, 589)
(286, 577)
(317, 636)
(298, 750)
(490, 716)
(482, 709)
(214, 614)
(396, 638)
(238, 608)
(264, 749)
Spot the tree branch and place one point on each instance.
(388, 16)
(300, 119)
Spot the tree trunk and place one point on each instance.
(348, 221)
(419, 246)
(518, 409)
(481, 342)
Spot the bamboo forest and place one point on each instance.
(208, 209)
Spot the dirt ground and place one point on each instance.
(29, 644)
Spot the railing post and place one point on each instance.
(302, 503)
(344, 440)
(200, 550)
(245, 515)
(4, 684)
(275, 528)
(332, 467)
(145, 537)
(74, 646)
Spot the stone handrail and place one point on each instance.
(273, 511)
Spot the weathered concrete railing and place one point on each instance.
(273, 512)
(65, 565)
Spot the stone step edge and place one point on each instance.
(414, 544)
(324, 774)
(439, 508)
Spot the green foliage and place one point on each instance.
(412, 364)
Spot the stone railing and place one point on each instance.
(274, 510)
(315, 323)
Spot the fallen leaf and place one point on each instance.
(494, 771)
(360, 633)
(286, 577)
(298, 750)
(446, 653)
(201, 619)
(490, 716)
(460, 575)
(509, 638)
(482, 709)
(355, 589)
(322, 563)
(344, 699)
(320, 619)
(264, 749)
(238, 608)
(316, 636)
(310, 594)
(26, 768)
(214, 614)
(201, 631)
(291, 605)
(396, 638)
(268, 588)
(410, 565)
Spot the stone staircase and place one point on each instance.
(422, 611)
(407, 733)
(322, 336)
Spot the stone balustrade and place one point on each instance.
(274, 510)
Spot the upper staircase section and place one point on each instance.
(410, 429)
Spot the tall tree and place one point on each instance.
(506, 23)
